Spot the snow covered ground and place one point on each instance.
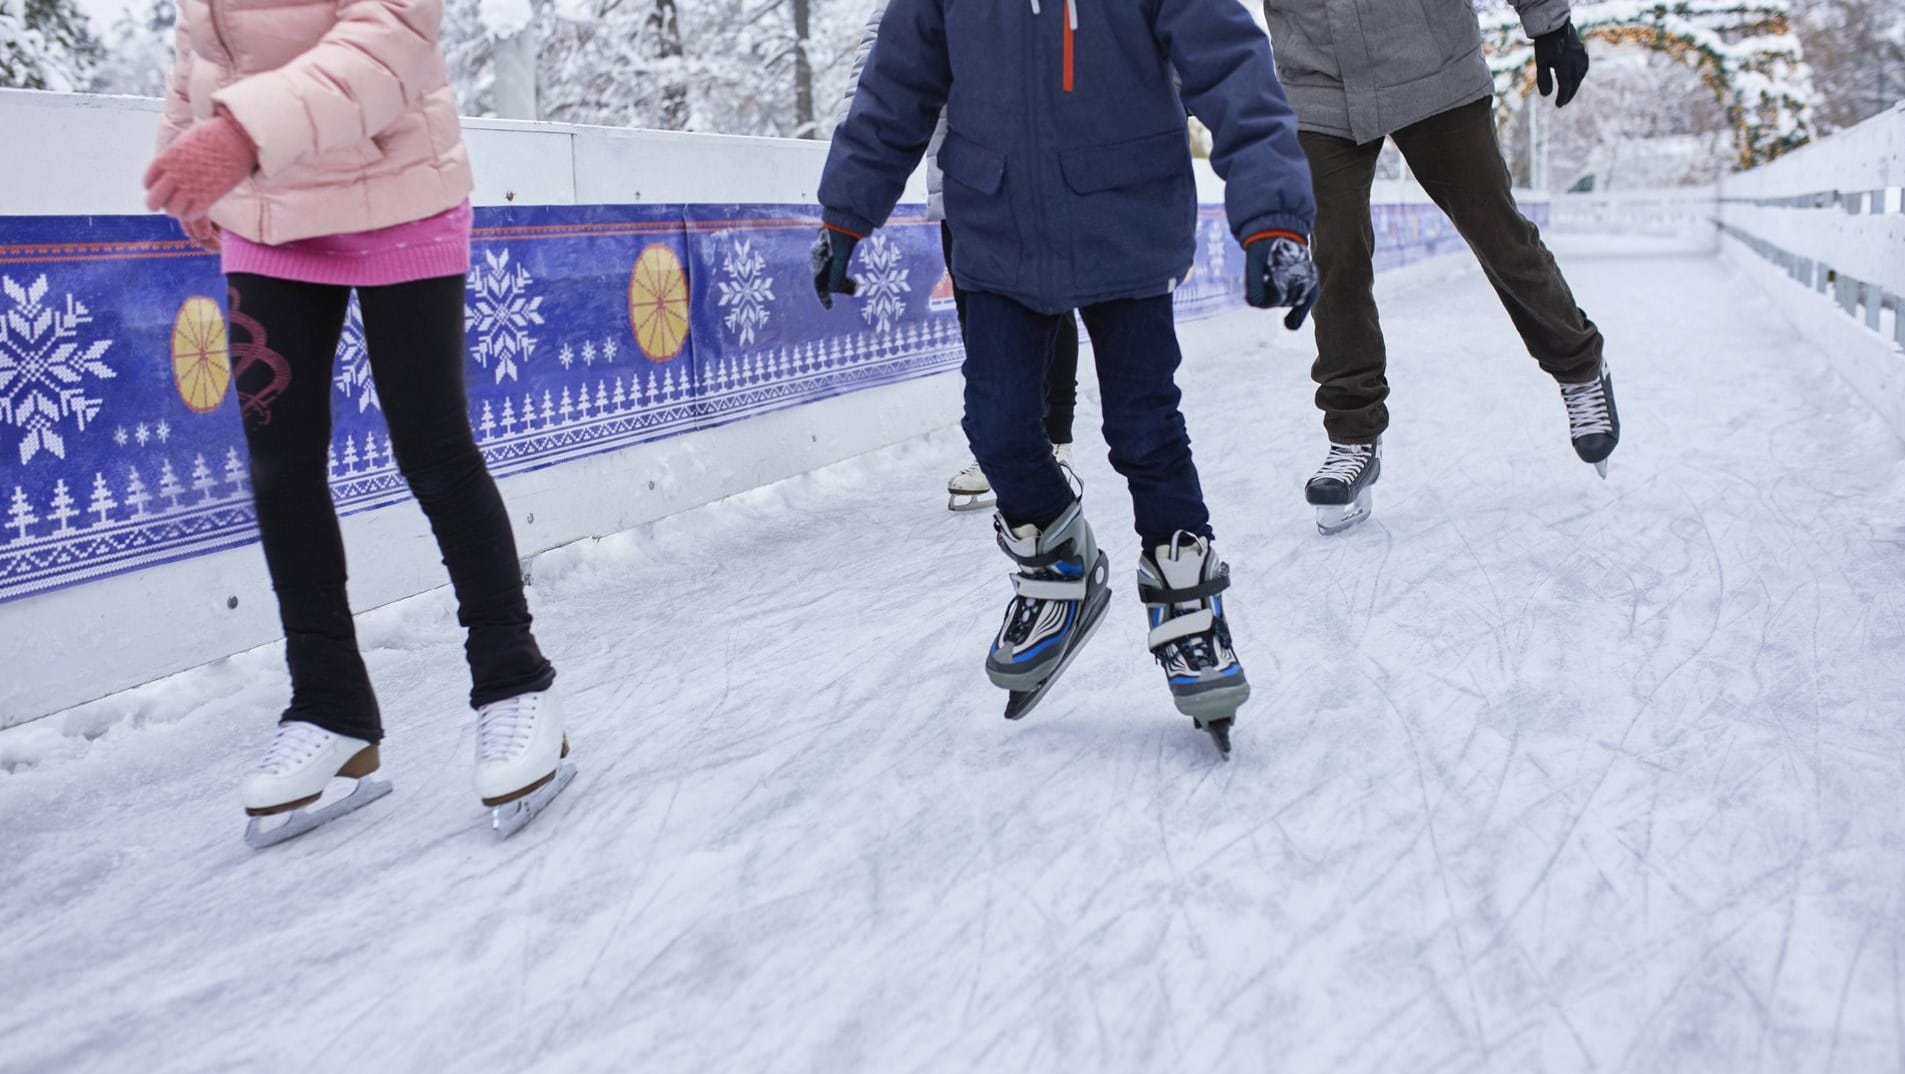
(1542, 773)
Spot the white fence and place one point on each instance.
(1681, 212)
(1825, 227)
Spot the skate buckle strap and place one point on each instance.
(1037, 559)
(1182, 626)
(1203, 590)
(1048, 588)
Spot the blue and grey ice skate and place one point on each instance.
(1062, 586)
(1180, 584)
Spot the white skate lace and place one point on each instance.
(968, 474)
(294, 744)
(1587, 409)
(1345, 463)
(503, 728)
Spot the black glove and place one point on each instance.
(833, 251)
(1278, 272)
(1559, 54)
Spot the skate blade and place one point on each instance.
(1219, 731)
(508, 819)
(1020, 702)
(1601, 468)
(969, 501)
(1332, 519)
(261, 833)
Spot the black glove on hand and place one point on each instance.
(1559, 54)
(1279, 272)
(832, 252)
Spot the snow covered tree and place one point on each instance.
(1856, 49)
(46, 44)
(1743, 51)
(770, 67)
(138, 50)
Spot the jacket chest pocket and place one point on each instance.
(1131, 209)
(979, 210)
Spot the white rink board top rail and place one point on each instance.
(89, 153)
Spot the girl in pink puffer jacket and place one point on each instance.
(314, 144)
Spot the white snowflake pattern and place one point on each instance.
(141, 433)
(883, 283)
(44, 368)
(747, 290)
(120, 437)
(163, 430)
(1216, 248)
(566, 356)
(353, 362)
(501, 312)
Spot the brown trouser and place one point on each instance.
(1459, 163)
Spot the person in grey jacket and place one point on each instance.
(1358, 71)
(969, 490)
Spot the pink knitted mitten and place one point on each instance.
(202, 166)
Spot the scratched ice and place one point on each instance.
(1542, 773)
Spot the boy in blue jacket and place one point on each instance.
(1068, 185)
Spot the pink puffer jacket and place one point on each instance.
(347, 101)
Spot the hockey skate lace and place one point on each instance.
(1345, 463)
(292, 745)
(505, 726)
(1587, 409)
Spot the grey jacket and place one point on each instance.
(935, 180)
(1360, 69)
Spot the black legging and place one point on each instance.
(1061, 368)
(284, 342)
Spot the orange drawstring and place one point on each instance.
(1071, 24)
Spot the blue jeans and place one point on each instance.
(1135, 344)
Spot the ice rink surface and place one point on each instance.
(1542, 773)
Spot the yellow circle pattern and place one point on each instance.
(658, 302)
(201, 354)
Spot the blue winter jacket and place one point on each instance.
(1067, 160)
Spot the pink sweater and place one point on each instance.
(420, 250)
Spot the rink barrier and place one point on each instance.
(1824, 227)
(626, 361)
(589, 329)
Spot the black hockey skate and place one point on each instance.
(1180, 584)
(1339, 490)
(1593, 423)
(1062, 587)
